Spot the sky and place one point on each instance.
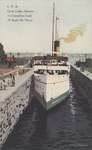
(36, 36)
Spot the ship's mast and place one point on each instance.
(56, 42)
(56, 28)
(53, 26)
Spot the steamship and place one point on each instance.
(51, 76)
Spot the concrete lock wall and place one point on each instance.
(12, 107)
(83, 82)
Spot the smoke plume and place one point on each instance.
(74, 33)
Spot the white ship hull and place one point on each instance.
(51, 89)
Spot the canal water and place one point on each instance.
(66, 127)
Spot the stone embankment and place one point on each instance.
(13, 101)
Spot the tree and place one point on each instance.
(2, 52)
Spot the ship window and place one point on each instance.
(57, 71)
(39, 71)
(64, 72)
(60, 72)
(52, 72)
